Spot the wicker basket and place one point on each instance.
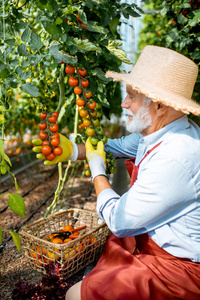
(73, 255)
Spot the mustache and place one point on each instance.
(129, 113)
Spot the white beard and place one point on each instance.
(141, 120)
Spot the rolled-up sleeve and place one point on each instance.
(124, 147)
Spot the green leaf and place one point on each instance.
(119, 53)
(1, 233)
(25, 75)
(82, 16)
(65, 58)
(26, 35)
(85, 45)
(4, 71)
(164, 10)
(2, 153)
(127, 11)
(9, 32)
(36, 42)
(59, 21)
(14, 62)
(113, 25)
(100, 75)
(16, 239)
(41, 4)
(16, 203)
(15, 180)
(31, 89)
(95, 27)
(195, 20)
(181, 19)
(52, 5)
(10, 42)
(52, 28)
(22, 50)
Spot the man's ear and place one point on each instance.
(161, 109)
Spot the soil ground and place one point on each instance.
(15, 266)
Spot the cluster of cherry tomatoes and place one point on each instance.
(90, 112)
(49, 136)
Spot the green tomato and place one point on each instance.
(113, 169)
(94, 141)
(95, 122)
(113, 161)
(99, 130)
(98, 105)
(87, 172)
(99, 114)
(104, 139)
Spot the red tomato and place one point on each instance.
(86, 122)
(77, 90)
(43, 135)
(55, 142)
(54, 128)
(85, 83)
(43, 115)
(55, 136)
(55, 114)
(73, 81)
(52, 119)
(91, 104)
(43, 126)
(46, 150)
(69, 70)
(45, 143)
(83, 113)
(88, 94)
(82, 72)
(80, 102)
(51, 156)
(58, 151)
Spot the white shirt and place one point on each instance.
(165, 199)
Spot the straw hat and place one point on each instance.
(165, 76)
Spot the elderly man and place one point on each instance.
(154, 249)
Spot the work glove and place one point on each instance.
(70, 151)
(96, 158)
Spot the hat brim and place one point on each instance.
(157, 94)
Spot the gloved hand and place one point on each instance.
(96, 158)
(70, 151)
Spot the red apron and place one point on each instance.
(136, 268)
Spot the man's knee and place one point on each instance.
(74, 293)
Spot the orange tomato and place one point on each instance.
(68, 228)
(57, 240)
(79, 247)
(87, 122)
(52, 255)
(67, 240)
(69, 253)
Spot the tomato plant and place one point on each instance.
(41, 39)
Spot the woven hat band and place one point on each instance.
(166, 69)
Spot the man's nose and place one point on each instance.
(125, 103)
